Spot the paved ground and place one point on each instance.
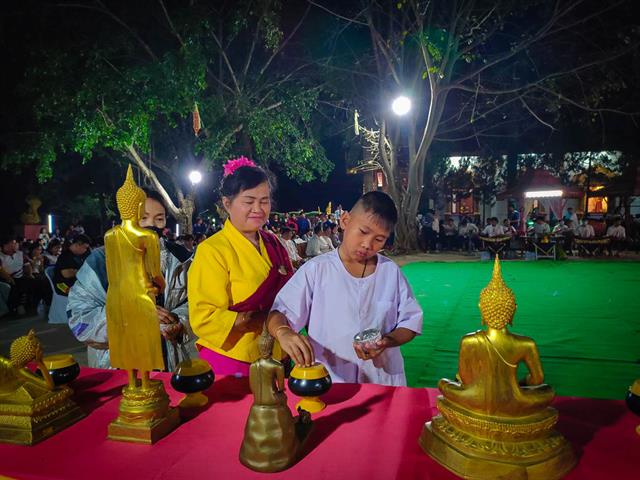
(55, 338)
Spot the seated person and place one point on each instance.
(540, 228)
(286, 238)
(450, 233)
(618, 236)
(468, 233)
(585, 230)
(69, 262)
(15, 270)
(508, 229)
(320, 242)
(493, 229)
(337, 295)
(54, 248)
(86, 309)
(488, 362)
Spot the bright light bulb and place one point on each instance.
(195, 176)
(401, 105)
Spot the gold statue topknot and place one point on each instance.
(497, 301)
(129, 197)
(24, 349)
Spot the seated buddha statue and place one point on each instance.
(31, 407)
(490, 424)
(273, 438)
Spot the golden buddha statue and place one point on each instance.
(491, 426)
(272, 436)
(31, 407)
(133, 271)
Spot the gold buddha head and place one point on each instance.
(25, 349)
(130, 198)
(497, 301)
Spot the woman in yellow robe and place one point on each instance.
(236, 274)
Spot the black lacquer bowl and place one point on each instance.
(309, 383)
(633, 400)
(192, 377)
(63, 368)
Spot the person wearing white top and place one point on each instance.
(493, 229)
(286, 235)
(585, 230)
(319, 243)
(346, 291)
(540, 228)
(618, 237)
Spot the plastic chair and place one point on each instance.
(58, 309)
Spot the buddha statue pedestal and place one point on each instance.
(145, 415)
(485, 447)
(490, 424)
(31, 407)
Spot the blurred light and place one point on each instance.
(543, 193)
(50, 223)
(401, 105)
(195, 177)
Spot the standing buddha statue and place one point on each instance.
(133, 271)
(490, 424)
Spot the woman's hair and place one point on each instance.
(317, 229)
(155, 196)
(43, 230)
(244, 178)
(53, 244)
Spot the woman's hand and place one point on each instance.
(297, 346)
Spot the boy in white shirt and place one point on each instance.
(346, 291)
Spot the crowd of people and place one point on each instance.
(444, 234)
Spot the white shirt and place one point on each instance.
(617, 232)
(292, 250)
(540, 229)
(468, 229)
(586, 231)
(335, 306)
(317, 245)
(493, 231)
(13, 264)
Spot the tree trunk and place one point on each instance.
(185, 215)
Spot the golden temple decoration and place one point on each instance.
(272, 436)
(31, 407)
(133, 271)
(489, 425)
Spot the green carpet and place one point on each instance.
(584, 316)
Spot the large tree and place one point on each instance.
(122, 81)
(476, 71)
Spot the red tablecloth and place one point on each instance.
(366, 431)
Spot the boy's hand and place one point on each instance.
(369, 351)
(297, 346)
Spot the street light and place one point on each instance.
(195, 177)
(401, 105)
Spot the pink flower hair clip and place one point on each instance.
(234, 164)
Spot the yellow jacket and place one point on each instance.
(226, 270)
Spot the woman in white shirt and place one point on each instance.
(320, 242)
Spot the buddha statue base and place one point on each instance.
(32, 413)
(145, 415)
(479, 447)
